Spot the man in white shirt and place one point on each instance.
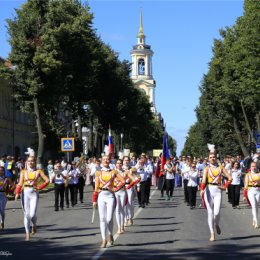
(73, 183)
(58, 179)
(185, 175)
(169, 178)
(141, 186)
(192, 185)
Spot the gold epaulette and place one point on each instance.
(114, 172)
(133, 170)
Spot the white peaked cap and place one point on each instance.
(126, 152)
(121, 155)
(211, 148)
(30, 152)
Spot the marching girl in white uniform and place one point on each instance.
(104, 196)
(4, 183)
(121, 195)
(211, 192)
(28, 185)
(130, 189)
(252, 191)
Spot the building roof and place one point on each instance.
(6, 62)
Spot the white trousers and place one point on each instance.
(212, 198)
(3, 201)
(120, 207)
(254, 198)
(29, 204)
(106, 207)
(130, 206)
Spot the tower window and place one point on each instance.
(141, 67)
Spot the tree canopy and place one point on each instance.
(228, 113)
(61, 64)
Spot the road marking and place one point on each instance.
(101, 251)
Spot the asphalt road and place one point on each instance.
(162, 230)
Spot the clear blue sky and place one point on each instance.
(181, 35)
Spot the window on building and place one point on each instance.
(141, 67)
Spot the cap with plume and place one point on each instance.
(255, 157)
(30, 152)
(211, 148)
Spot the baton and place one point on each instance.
(203, 201)
(93, 214)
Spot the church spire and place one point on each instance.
(141, 32)
(141, 36)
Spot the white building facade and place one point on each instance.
(142, 73)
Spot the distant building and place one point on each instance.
(16, 127)
(142, 73)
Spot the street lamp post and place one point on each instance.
(66, 114)
(85, 131)
(121, 135)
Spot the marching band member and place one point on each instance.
(4, 183)
(236, 174)
(28, 183)
(141, 186)
(252, 191)
(192, 185)
(211, 186)
(104, 196)
(169, 178)
(148, 165)
(121, 195)
(59, 178)
(130, 189)
(185, 174)
(73, 183)
(81, 166)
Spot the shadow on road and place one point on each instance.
(211, 252)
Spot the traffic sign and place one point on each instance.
(67, 144)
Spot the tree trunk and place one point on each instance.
(247, 123)
(91, 136)
(40, 133)
(79, 129)
(238, 135)
(257, 117)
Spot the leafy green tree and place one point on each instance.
(228, 110)
(60, 64)
(51, 50)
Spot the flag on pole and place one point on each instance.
(110, 141)
(165, 152)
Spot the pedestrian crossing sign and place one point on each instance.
(67, 144)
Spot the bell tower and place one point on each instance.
(142, 74)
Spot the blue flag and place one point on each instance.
(165, 152)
